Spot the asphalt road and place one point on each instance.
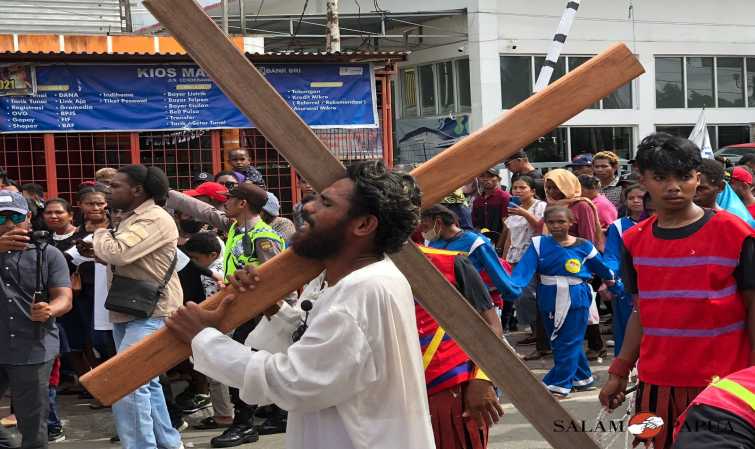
(90, 429)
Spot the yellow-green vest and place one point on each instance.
(231, 261)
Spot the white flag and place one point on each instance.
(700, 137)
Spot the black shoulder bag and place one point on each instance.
(137, 297)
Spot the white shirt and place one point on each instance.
(354, 381)
(521, 232)
(275, 334)
(101, 318)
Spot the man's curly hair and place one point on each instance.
(393, 197)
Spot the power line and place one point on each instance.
(301, 17)
(616, 19)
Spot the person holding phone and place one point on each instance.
(524, 222)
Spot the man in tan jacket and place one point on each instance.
(142, 246)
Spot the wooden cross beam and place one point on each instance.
(254, 96)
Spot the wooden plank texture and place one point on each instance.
(529, 120)
(242, 83)
(237, 77)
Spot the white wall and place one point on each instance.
(660, 27)
(669, 27)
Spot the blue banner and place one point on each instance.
(138, 97)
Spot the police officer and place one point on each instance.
(29, 339)
(250, 241)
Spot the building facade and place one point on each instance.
(696, 54)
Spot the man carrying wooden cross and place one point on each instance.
(355, 378)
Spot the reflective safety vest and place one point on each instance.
(446, 364)
(239, 253)
(692, 314)
(734, 394)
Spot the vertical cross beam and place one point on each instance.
(241, 82)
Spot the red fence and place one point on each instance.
(60, 162)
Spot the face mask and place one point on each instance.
(431, 235)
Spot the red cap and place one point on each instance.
(212, 190)
(742, 175)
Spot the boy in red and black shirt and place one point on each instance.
(692, 271)
(491, 207)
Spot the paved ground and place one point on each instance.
(89, 429)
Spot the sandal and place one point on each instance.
(211, 423)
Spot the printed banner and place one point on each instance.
(138, 97)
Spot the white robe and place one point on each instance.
(354, 381)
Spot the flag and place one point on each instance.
(730, 202)
(700, 137)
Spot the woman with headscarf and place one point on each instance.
(562, 187)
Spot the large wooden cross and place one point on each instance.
(259, 101)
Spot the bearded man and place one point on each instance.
(355, 379)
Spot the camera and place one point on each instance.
(39, 237)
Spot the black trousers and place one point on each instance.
(29, 385)
(243, 412)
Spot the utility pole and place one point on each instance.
(225, 16)
(242, 16)
(125, 9)
(333, 33)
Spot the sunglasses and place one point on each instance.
(15, 217)
(230, 185)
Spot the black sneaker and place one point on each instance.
(236, 435)
(194, 403)
(180, 425)
(55, 435)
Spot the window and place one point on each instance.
(732, 135)
(621, 98)
(709, 81)
(562, 144)
(427, 89)
(700, 82)
(669, 83)
(446, 102)
(720, 135)
(552, 147)
(435, 89)
(751, 81)
(516, 79)
(463, 85)
(409, 92)
(595, 139)
(730, 79)
(519, 73)
(685, 130)
(558, 71)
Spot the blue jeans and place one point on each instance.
(53, 420)
(141, 417)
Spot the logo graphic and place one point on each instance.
(645, 425)
(573, 265)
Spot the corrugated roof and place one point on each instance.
(303, 56)
(60, 16)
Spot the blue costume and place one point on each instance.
(481, 252)
(563, 298)
(622, 302)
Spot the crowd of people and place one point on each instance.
(350, 360)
